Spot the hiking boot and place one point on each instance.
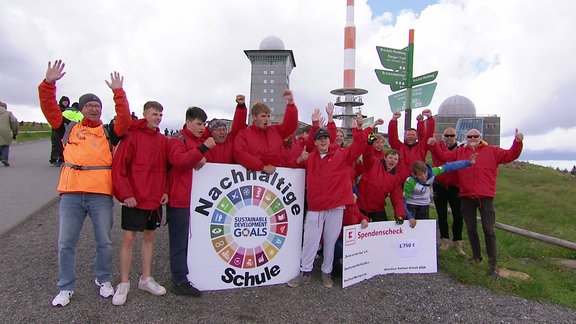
(445, 244)
(475, 261)
(185, 289)
(106, 289)
(493, 273)
(121, 293)
(63, 298)
(302, 279)
(5, 162)
(327, 280)
(459, 247)
(151, 286)
(56, 164)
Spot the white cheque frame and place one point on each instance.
(386, 247)
(245, 226)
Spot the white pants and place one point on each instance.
(326, 224)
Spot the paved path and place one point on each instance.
(28, 184)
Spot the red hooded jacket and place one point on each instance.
(411, 153)
(255, 147)
(139, 166)
(183, 155)
(479, 180)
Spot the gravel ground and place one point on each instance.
(30, 273)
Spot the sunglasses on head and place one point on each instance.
(449, 135)
(472, 136)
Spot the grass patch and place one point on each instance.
(537, 199)
(32, 131)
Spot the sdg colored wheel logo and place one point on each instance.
(248, 227)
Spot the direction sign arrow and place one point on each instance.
(392, 58)
(424, 78)
(421, 97)
(392, 78)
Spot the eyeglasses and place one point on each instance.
(472, 136)
(92, 106)
(449, 135)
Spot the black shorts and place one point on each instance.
(138, 220)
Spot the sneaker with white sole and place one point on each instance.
(150, 285)
(106, 289)
(63, 298)
(121, 293)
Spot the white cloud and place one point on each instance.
(511, 58)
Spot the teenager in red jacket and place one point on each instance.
(186, 151)
(259, 147)
(223, 151)
(446, 192)
(140, 184)
(329, 191)
(478, 188)
(414, 147)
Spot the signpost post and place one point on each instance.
(399, 77)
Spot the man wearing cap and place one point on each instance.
(329, 190)
(224, 149)
(85, 185)
(259, 147)
(478, 188)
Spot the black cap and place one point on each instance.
(321, 133)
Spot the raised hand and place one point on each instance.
(55, 73)
(396, 115)
(116, 81)
(519, 137)
(316, 115)
(287, 95)
(240, 99)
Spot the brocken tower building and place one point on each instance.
(271, 67)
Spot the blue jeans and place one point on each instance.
(4, 150)
(178, 229)
(73, 211)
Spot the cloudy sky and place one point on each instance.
(512, 58)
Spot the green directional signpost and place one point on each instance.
(399, 77)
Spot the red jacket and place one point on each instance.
(222, 153)
(255, 147)
(411, 153)
(449, 179)
(479, 180)
(328, 179)
(183, 156)
(376, 184)
(139, 166)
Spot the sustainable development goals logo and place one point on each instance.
(248, 213)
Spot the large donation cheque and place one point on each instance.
(245, 226)
(386, 247)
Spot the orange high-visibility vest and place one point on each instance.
(88, 161)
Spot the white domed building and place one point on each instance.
(459, 113)
(271, 67)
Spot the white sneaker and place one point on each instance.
(121, 293)
(151, 286)
(63, 298)
(106, 289)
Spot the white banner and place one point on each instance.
(245, 226)
(386, 247)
